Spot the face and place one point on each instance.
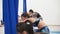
(30, 12)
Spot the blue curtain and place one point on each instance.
(24, 6)
(10, 15)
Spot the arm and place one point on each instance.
(31, 19)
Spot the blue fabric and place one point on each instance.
(44, 30)
(10, 12)
(24, 6)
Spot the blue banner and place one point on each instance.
(24, 6)
(10, 16)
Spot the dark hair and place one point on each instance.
(39, 16)
(29, 27)
(36, 14)
(31, 10)
(25, 15)
(24, 26)
(20, 27)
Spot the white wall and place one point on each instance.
(0, 9)
(20, 7)
(49, 9)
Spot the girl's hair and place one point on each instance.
(31, 10)
(25, 26)
(25, 15)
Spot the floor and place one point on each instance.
(2, 30)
